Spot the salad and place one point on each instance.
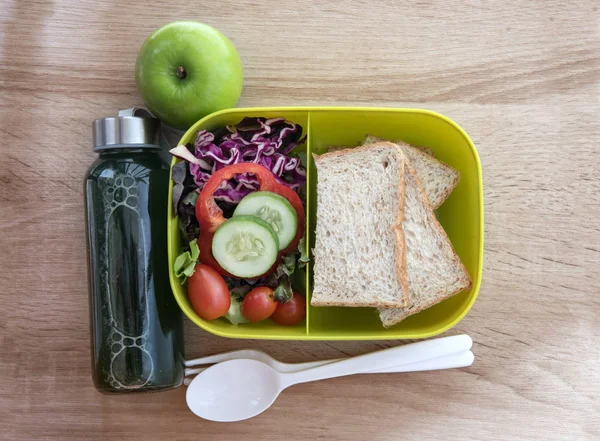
(239, 192)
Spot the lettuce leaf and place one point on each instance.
(185, 263)
(234, 314)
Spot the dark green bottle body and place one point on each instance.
(136, 325)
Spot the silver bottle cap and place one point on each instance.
(133, 128)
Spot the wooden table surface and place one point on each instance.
(522, 78)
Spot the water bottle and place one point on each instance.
(136, 325)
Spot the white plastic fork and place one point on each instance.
(457, 360)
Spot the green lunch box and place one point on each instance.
(461, 216)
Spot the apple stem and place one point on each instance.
(181, 73)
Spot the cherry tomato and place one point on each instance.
(259, 304)
(208, 293)
(292, 312)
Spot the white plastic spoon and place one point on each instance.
(239, 389)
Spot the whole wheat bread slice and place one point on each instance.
(438, 178)
(433, 269)
(359, 254)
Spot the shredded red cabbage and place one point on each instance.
(267, 142)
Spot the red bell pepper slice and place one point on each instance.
(210, 216)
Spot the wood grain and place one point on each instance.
(522, 78)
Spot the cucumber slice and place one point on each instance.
(273, 209)
(245, 246)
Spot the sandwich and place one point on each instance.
(378, 241)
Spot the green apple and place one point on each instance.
(186, 70)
